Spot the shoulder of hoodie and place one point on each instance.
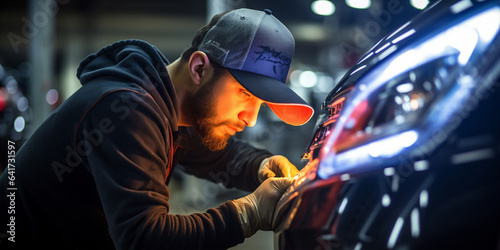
(147, 47)
(117, 94)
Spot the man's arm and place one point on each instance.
(129, 168)
(236, 165)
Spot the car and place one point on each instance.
(406, 152)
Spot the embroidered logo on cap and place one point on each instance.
(277, 58)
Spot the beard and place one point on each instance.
(205, 114)
(209, 138)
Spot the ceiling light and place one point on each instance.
(323, 7)
(359, 4)
(308, 79)
(419, 4)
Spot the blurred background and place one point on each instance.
(42, 42)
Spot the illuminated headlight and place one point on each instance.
(414, 94)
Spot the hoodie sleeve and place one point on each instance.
(234, 166)
(128, 146)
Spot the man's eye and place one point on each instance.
(245, 94)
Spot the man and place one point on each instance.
(95, 174)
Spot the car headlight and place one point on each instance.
(412, 94)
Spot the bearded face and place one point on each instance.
(220, 108)
(209, 124)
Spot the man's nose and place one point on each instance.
(249, 115)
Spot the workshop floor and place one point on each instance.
(191, 195)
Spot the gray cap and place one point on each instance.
(257, 49)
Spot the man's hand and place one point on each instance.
(276, 166)
(256, 210)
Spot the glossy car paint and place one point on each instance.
(406, 154)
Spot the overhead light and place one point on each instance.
(52, 96)
(323, 7)
(308, 79)
(359, 4)
(419, 4)
(19, 124)
(309, 32)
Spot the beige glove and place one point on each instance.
(256, 209)
(276, 166)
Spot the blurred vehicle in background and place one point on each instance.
(406, 154)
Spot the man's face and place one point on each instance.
(221, 108)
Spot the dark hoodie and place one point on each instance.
(94, 175)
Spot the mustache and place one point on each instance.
(239, 126)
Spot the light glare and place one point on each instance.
(419, 4)
(19, 124)
(415, 223)
(52, 96)
(359, 4)
(395, 233)
(390, 146)
(323, 7)
(308, 79)
(386, 200)
(404, 88)
(342, 205)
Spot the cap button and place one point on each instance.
(268, 11)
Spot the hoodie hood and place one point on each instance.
(138, 62)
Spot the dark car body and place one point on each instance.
(406, 154)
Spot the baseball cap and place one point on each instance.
(257, 49)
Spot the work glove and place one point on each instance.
(256, 210)
(276, 166)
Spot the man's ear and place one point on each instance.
(198, 65)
